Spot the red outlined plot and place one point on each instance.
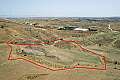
(12, 42)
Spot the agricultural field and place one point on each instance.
(51, 49)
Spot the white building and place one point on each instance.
(80, 29)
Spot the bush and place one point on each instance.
(117, 44)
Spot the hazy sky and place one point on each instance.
(60, 8)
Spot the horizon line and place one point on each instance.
(57, 16)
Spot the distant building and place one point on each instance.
(27, 23)
(109, 27)
(80, 29)
(35, 24)
(61, 28)
(92, 28)
(31, 24)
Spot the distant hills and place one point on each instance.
(110, 19)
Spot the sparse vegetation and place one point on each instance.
(58, 53)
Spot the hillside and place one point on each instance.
(79, 54)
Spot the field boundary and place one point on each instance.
(41, 65)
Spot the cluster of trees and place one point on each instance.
(3, 26)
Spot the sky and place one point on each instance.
(59, 8)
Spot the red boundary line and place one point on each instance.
(40, 65)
